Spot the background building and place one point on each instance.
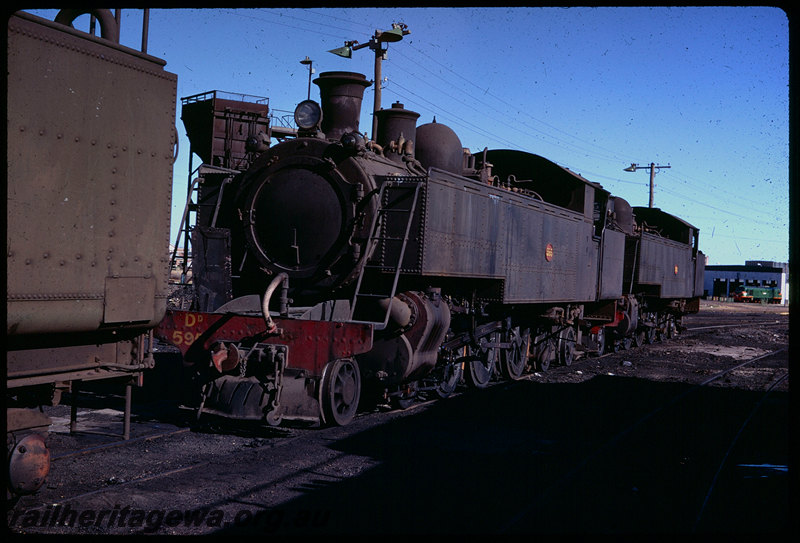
(722, 281)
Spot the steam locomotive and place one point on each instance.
(331, 268)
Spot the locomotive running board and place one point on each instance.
(377, 274)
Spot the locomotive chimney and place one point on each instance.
(340, 94)
(397, 131)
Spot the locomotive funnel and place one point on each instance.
(341, 94)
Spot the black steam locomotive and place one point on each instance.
(407, 264)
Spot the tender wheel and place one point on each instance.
(452, 374)
(514, 361)
(566, 346)
(340, 391)
(480, 367)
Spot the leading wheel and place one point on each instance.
(340, 391)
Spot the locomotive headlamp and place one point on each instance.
(308, 115)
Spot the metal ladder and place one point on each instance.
(376, 274)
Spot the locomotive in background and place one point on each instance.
(405, 264)
(90, 151)
(752, 294)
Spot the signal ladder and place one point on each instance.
(398, 200)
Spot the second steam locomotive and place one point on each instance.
(331, 268)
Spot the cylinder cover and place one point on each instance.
(413, 353)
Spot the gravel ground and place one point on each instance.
(695, 355)
(516, 457)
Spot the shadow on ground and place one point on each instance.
(600, 456)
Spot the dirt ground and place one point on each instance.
(720, 336)
(521, 443)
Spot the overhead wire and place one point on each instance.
(546, 134)
(552, 134)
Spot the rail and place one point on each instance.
(628, 430)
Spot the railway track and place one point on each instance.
(724, 461)
(418, 405)
(601, 435)
(773, 322)
(152, 435)
(305, 467)
(644, 426)
(116, 443)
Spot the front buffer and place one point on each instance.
(252, 368)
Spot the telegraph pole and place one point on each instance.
(310, 63)
(633, 167)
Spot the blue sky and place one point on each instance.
(701, 89)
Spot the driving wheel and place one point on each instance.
(340, 391)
